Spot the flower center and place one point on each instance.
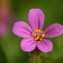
(38, 35)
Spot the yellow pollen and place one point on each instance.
(38, 35)
(41, 31)
(43, 35)
(35, 38)
(40, 39)
(37, 31)
(33, 34)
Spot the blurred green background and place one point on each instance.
(10, 51)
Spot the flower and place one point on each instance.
(33, 35)
(6, 17)
(4, 13)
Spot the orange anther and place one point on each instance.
(43, 35)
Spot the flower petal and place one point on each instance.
(22, 29)
(36, 18)
(3, 29)
(45, 45)
(53, 30)
(28, 44)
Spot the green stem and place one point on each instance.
(35, 56)
(35, 59)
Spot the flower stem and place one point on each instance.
(35, 59)
(35, 56)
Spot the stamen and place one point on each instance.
(41, 31)
(38, 35)
(33, 34)
(36, 39)
(40, 39)
(43, 35)
(38, 31)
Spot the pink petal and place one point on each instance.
(28, 45)
(22, 29)
(36, 18)
(3, 29)
(45, 45)
(53, 30)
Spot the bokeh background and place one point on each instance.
(10, 51)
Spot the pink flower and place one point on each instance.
(6, 17)
(4, 13)
(33, 34)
